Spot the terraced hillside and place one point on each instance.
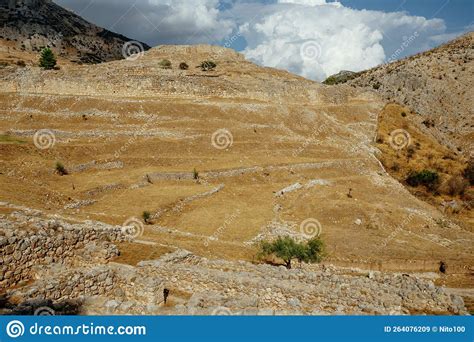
(221, 159)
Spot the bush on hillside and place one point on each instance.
(183, 66)
(60, 169)
(469, 171)
(208, 65)
(165, 64)
(429, 179)
(146, 215)
(456, 185)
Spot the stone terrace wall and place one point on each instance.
(76, 283)
(55, 242)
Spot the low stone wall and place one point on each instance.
(21, 249)
(76, 283)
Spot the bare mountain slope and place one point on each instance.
(438, 85)
(30, 25)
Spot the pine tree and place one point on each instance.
(47, 59)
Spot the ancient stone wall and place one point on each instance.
(23, 249)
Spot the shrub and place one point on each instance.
(47, 59)
(146, 215)
(195, 174)
(183, 66)
(288, 249)
(21, 63)
(455, 186)
(208, 65)
(469, 172)
(428, 178)
(165, 64)
(60, 169)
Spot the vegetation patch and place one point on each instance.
(47, 59)
(8, 139)
(165, 64)
(287, 249)
(208, 66)
(61, 169)
(428, 178)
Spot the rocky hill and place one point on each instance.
(30, 25)
(221, 157)
(437, 85)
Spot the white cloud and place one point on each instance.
(338, 38)
(312, 38)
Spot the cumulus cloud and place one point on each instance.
(315, 39)
(312, 38)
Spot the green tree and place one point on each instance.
(208, 65)
(165, 64)
(183, 66)
(146, 215)
(47, 59)
(288, 249)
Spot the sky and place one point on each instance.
(311, 38)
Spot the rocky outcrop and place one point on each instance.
(435, 84)
(33, 25)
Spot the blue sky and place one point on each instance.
(312, 38)
(457, 14)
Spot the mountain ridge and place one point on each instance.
(30, 25)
